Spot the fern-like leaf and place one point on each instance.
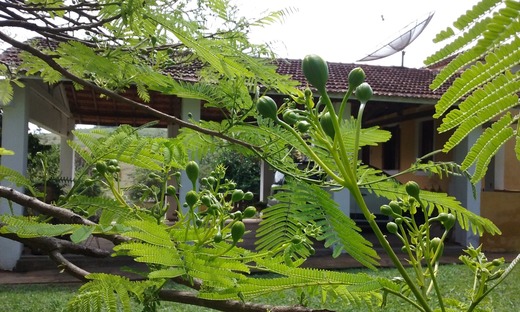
(26, 227)
(440, 202)
(486, 86)
(355, 288)
(105, 292)
(302, 204)
(149, 232)
(487, 145)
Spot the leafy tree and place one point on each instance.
(116, 45)
(484, 60)
(242, 169)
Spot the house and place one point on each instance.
(402, 104)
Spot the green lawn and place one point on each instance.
(455, 280)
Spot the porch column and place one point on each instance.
(15, 138)
(188, 106)
(462, 189)
(67, 168)
(266, 181)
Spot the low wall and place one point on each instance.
(503, 208)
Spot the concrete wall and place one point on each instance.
(512, 168)
(503, 208)
(408, 155)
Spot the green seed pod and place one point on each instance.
(237, 215)
(392, 227)
(237, 231)
(217, 238)
(267, 108)
(249, 212)
(191, 198)
(442, 217)
(211, 181)
(290, 117)
(437, 243)
(206, 200)
(396, 208)
(89, 182)
(111, 169)
(356, 77)
(303, 126)
(248, 196)
(327, 125)
(413, 189)
(364, 92)
(112, 162)
(101, 167)
(171, 190)
(450, 222)
(192, 171)
(316, 71)
(237, 195)
(386, 210)
(498, 262)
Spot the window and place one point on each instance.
(391, 149)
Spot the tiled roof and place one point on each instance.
(386, 81)
(398, 89)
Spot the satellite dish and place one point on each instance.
(408, 34)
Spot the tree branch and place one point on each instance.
(186, 297)
(64, 215)
(68, 266)
(143, 107)
(50, 244)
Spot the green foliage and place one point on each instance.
(109, 293)
(356, 289)
(308, 211)
(486, 90)
(242, 169)
(30, 227)
(374, 181)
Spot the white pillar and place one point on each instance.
(343, 199)
(462, 189)
(266, 181)
(67, 153)
(188, 107)
(14, 137)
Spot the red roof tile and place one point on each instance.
(386, 81)
(391, 81)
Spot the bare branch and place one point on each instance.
(68, 266)
(64, 215)
(49, 244)
(228, 305)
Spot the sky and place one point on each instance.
(346, 31)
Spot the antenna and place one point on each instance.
(408, 34)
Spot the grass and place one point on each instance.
(454, 280)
